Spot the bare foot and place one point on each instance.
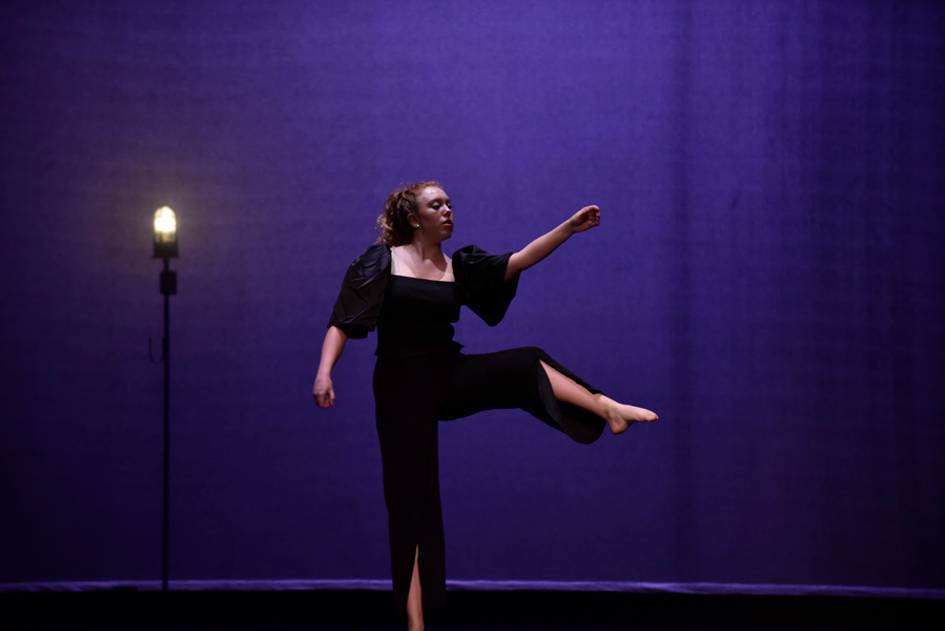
(621, 416)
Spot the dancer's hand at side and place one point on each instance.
(584, 219)
(323, 391)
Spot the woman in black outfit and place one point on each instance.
(406, 287)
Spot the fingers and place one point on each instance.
(592, 213)
(588, 217)
(325, 399)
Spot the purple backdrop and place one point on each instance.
(767, 276)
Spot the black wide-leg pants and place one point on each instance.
(412, 394)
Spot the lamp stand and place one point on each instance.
(168, 288)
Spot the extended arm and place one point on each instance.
(323, 390)
(587, 217)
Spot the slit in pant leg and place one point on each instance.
(580, 424)
(431, 545)
(412, 493)
(397, 432)
(514, 378)
(418, 541)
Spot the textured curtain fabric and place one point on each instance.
(767, 276)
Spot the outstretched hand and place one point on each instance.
(584, 219)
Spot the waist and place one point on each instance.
(394, 350)
(403, 339)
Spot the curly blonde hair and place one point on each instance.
(393, 224)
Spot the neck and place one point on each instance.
(425, 251)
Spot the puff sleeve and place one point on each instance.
(359, 301)
(480, 275)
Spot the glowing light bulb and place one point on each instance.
(165, 223)
(165, 232)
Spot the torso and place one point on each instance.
(400, 266)
(419, 310)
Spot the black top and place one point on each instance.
(416, 317)
(479, 284)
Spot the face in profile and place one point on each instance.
(435, 212)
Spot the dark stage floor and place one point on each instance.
(466, 611)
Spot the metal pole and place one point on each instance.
(167, 428)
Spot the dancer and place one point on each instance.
(406, 287)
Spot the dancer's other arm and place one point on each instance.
(332, 346)
(587, 217)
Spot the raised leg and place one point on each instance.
(618, 415)
(414, 599)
